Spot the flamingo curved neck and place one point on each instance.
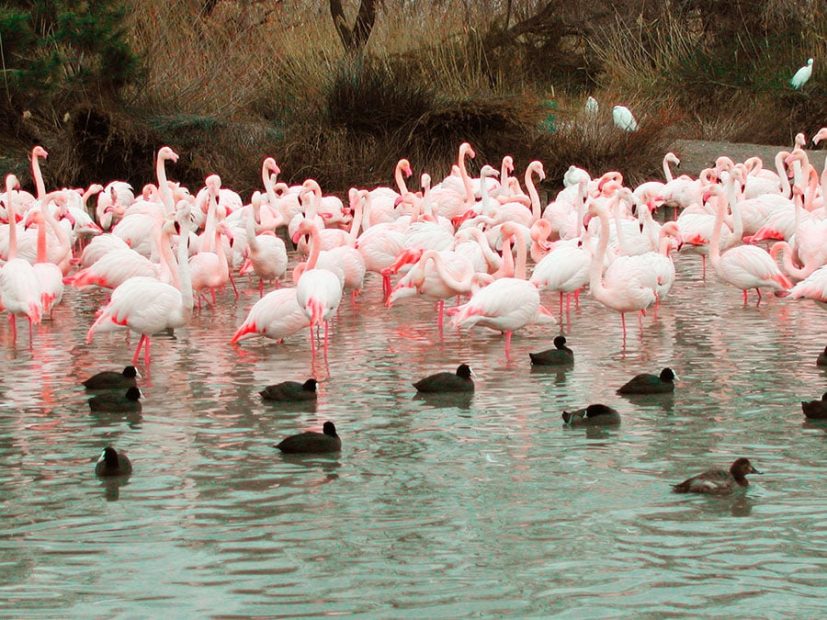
(64, 242)
(38, 177)
(786, 190)
(466, 181)
(315, 248)
(786, 259)
(596, 269)
(667, 171)
(184, 276)
(532, 193)
(506, 269)
(163, 186)
(446, 276)
(358, 215)
(12, 219)
(400, 179)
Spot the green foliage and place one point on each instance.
(67, 49)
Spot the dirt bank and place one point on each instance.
(695, 155)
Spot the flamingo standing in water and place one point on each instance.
(19, 288)
(745, 266)
(623, 290)
(318, 291)
(508, 303)
(147, 306)
(277, 315)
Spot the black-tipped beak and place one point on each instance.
(755, 471)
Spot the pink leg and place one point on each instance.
(232, 283)
(508, 346)
(146, 353)
(640, 316)
(561, 306)
(703, 267)
(623, 324)
(745, 296)
(577, 298)
(326, 326)
(312, 342)
(440, 310)
(260, 288)
(13, 325)
(138, 350)
(212, 294)
(568, 304)
(758, 290)
(30, 329)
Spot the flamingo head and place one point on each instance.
(672, 158)
(537, 167)
(306, 227)
(271, 166)
(800, 140)
(466, 149)
(425, 181)
(405, 166)
(12, 183)
(167, 153)
(723, 163)
(311, 185)
(39, 151)
(821, 135)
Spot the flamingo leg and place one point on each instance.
(232, 283)
(212, 294)
(440, 309)
(260, 288)
(640, 316)
(561, 306)
(577, 298)
(568, 304)
(326, 326)
(312, 343)
(623, 324)
(508, 346)
(758, 290)
(146, 352)
(745, 296)
(703, 267)
(30, 330)
(138, 349)
(13, 325)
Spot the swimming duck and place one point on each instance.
(109, 379)
(822, 358)
(650, 384)
(593, 415)
(311, 442)
(815, 409)
(558, 356)
(290, 391)
(718, 481)
(460, 381)
(113, 463)
(117, 402)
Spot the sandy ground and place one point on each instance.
(695, 155)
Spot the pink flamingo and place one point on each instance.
(147, 306)
(319, 291)
(266, 253)
(49, 275)
(507, 304)
(622, 290)
(745, 266)
(19, 289)
(277, 315)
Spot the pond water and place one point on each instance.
(484, 507)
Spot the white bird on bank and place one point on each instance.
(591, 106)
(622, 116)
(802, 75)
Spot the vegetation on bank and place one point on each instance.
(102, 83)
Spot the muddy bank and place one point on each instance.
(695, 155)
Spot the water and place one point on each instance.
(481, 508)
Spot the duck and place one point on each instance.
(822, 358)
(718, 481)
(117, 402)
(815, 409)
(459, 381)
(290, 391)
(593, 415)
(560, 355)
(311, 442)
(113, 463)
(650, 384)
(110, 379)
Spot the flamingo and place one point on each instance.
(319, 291)
(277, 315)
(49, 275)
(19, 290)
(622, 290)
(745, 266)
(147, 306)
(507, 304)
(266, 253)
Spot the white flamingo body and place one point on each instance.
(277, 316)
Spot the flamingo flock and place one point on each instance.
(489, 242)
